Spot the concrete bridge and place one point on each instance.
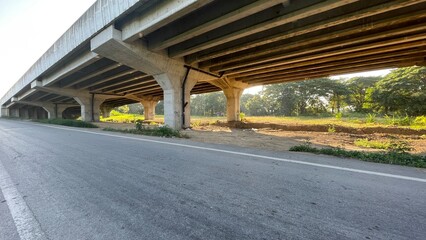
(128, 51)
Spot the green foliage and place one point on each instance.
(403, 91)
(371, 118)
(338, 116)
(123, 109)
(392, 157)
(118, 117)
(398, 146)
(163, 131)
(68, 122)
(419, 121)
(115, 113)
(358, 92)
(209, 104)
(242, 116)
(331, 129)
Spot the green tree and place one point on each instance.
(123, 109)
(358, 92)
(402, 91)
(256, 106)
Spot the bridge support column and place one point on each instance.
(4, 112)
(51, 111)
(60, 110)
(106, 110)
(24, 113)
(90, 107)
(14, 112)
(233, 91)
(149, 104)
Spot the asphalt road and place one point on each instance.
(71, 184)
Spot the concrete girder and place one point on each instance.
(73, 66)
(388, 6)
(160, 42)
(233, 91)
(150, 20)
(179, 51)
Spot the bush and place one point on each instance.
(338, 116)
(392, 157)
(68, 122)
(115, 113)
(163, 131)
(398, 146)
(371, 118)
(420, 121)
(242, 116)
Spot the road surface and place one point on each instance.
(67, 183)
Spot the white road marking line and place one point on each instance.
(27, 226)
(250, 155)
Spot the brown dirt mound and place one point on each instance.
(323, 128)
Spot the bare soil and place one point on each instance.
(276, 139)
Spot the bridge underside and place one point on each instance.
(218, 45)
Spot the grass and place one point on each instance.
(68, 122)
(349, 120)
(386, 145)
(163, 131)
(390, 157)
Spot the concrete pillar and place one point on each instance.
(24, 113)
(106, 110)
(33, 113)
(60, 109)
(14, 112)
(149, 103)
(51, 111)
(90, 107)
(233, 91)
(4, 112)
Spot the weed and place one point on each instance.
(338, 116)
(420, 121)
(196, 123)
(392, 157)
(163, 131)
(242, 116)
(331, 129)
(68, 122)
(371, 118)
(393, 145)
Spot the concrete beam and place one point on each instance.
(159, 43)
(213, 41)
(158, 16)
(71, 67)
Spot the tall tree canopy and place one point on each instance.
(403, 91)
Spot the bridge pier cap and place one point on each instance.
(169, 73)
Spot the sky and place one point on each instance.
(29, 27)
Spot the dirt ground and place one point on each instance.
(282, 140)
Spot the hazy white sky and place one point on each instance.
(28, 28)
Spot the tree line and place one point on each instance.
(401, 92)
